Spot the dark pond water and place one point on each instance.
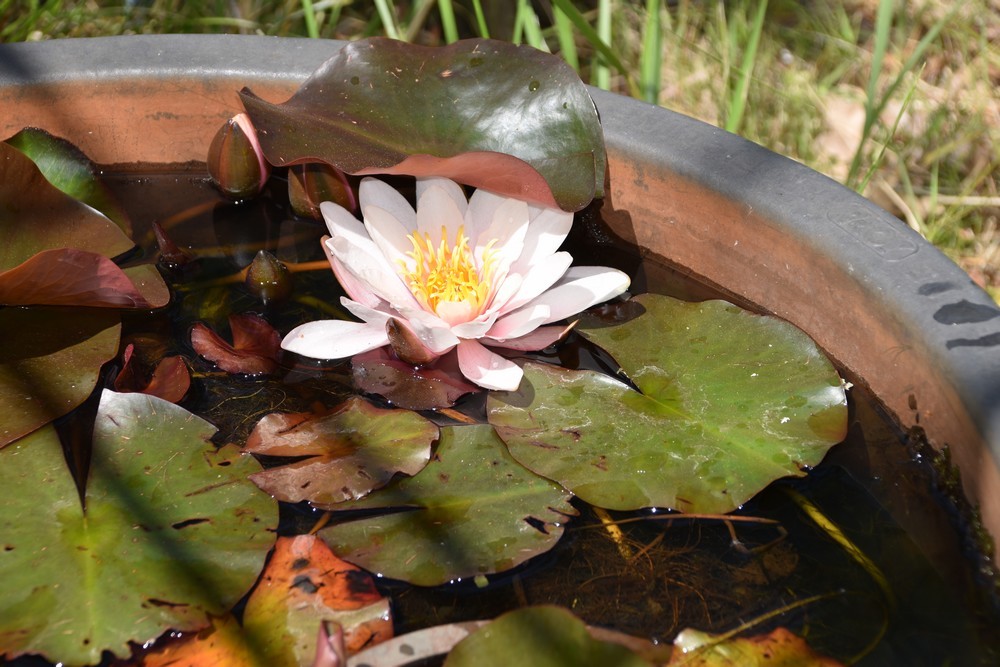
(670, 572)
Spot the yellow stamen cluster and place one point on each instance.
(448, 272)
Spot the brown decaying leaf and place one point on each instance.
(303, 589)
(304, 574)
(170, 380)
(222, 643)
(69, 277)
(255, 347)
(352, 450)
(430, 387)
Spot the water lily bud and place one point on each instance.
(313, 183)
(170, 253)
(268, 279)
(235, 160)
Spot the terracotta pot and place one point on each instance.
(889, 308)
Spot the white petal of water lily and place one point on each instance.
(451, 188)
(355, 288)
(391, 237)
(334, 339)
(508, 287)
(367, 265)
(432, 331)
(580, 288)
(507, 228)
(437, 209)
(475, 328)
(340, 221)
(539, 339)
(487, 369)
(482, 205)
(363, 312)
(386, 197)
(351, 234)
(520, 322)
(548, 229)
(455, 312)
(539, 278)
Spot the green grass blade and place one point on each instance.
(386, 16)
(875, 105)
(531, 26)
(738, 101)
(652, 54)
(309, 14)
(895, 126)
(598, 43)
(448, 24)
(567, 40)
(602, 76)
(484, 31)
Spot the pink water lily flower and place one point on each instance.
(469, 276)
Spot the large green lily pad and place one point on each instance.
(730, 402)
(171, 532)
(49, 363)
(489, 114)
(476, 512)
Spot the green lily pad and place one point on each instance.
(49, 363)
(172, 531)
(730, 402)
(67, 168)
(544, 636)
(489, 114)
(476, 511)
(350, 451)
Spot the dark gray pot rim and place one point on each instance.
(956, 324)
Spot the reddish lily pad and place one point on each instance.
(351, 451)
(69, 277)
(170, 380)
(474, 511)
(35, 216)
(49, 363)
(67, 168)
(57, 251)
(437, 385)
(254, 350)
(486, 113)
